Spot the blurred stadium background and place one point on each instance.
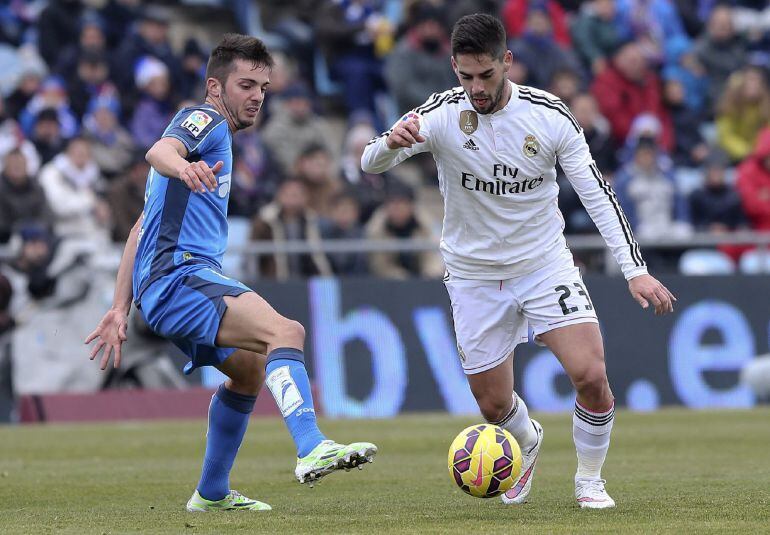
(673, 95)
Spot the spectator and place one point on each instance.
(149, 39)
(126, 196)
(626, 88)
(420, 57)
(565, 84)
(155, 108)
(111, 143)
(194, 71)
(22, 200)
(51, 95)
(683, 65)
(6, 319)
(720, 50)
(753, 183)
(315, 168)
(649, 197)
(69, 182)
(290, 218)
(47, 136)
(596, 129)
(256, 174)
(91, 40)
(538, 50)
(38, 247)
(11, 137)
(354, 36)
(369, 189)
(651, 23)
(119, 16)
(58, 28)
(399, 218)
(744, 109)
(343, 224)
(690, 148)
(595, 34)
(88, 81)
(297, 122)
(28, 86)
(716, 207)
(515, 13)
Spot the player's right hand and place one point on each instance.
(199, 176)
(406, 133)
(109, 335)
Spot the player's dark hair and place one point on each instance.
(235, 46)
(479, 34)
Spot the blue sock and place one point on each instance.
(287, 380)
(228, 417)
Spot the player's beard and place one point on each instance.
(493, 101)
(239, 125)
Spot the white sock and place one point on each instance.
(591, 433)
(517, 423)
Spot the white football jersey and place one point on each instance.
(497, 175)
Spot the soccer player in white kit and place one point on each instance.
(496, 145)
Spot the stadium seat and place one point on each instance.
(756, 261)
(705, 262)
(237, 238)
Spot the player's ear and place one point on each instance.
(507, 60)
(454, 65)
(213, 87)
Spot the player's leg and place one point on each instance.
(488, 327)
(229, 412)
(251, 323)
(580, 350)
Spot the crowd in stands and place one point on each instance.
(673, 97)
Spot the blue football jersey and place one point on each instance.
(181, 227)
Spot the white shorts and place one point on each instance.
(492, 317)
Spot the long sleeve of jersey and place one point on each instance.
(599, 199)
(378, 157)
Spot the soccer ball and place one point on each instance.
(484, 460)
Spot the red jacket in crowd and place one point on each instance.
(622, 100)
(514, 14)
(754, 183)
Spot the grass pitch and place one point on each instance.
(673, 471)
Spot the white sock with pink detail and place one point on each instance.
(591, 433)
(518, 424)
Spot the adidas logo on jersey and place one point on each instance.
(470, 145)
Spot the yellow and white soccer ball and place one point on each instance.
(484, 460)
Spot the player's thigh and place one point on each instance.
(487, 324)
(495, 385)
(251, 323)
(246, 371)
(580, 349)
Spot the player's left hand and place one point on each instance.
(647, 289)
(110, 335)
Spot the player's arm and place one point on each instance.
(168, 156)
(111, 331)
(409, 136)
(602, 205)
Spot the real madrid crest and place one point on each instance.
(531, 146)
(469, 121)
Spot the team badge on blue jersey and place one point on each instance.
(196, 122)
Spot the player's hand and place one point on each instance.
(647, 289)
(406, 133)
(109, 335)
(199, 176)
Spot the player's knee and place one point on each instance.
(592, 382)
(289, 333)
(493, 408)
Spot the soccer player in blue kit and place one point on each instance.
(171, 269)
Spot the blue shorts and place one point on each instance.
(186, 307)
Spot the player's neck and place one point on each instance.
(219, 106)
(507, 92)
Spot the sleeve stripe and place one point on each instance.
(636, 255)
(436, 100)
(554, 105)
